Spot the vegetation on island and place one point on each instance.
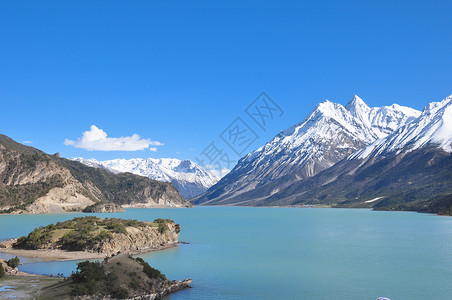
(13, 262)
(7, 265)
(117, 277)
(95, 277)
(82, 233)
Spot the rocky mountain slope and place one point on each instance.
(410, 169)
(35, 182)
(330, 133)
(186, 176)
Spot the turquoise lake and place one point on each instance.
(288, 253)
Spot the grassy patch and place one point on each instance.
(59, 233)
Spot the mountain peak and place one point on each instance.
(327, 107)
(433, 127)
(357, 105)
(433, 107)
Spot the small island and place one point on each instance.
(117, 277)
(93, 237)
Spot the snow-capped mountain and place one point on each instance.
(328, 134)
(186, 176)
(381, 120)
(432, 127)
(410, 169)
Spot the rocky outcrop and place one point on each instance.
(60, 200)
(103, 208)
(8, 270)
(140, 239)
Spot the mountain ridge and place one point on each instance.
(409, 169)
(186, 176)
(329, 133)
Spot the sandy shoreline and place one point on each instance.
(63, 255)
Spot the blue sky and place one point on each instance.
(178, 73)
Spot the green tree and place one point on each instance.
(87, 277)
(13, 262)
(150, 271)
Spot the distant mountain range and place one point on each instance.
(32, 181)
(387, 158)
(186, 176)
(390, 157)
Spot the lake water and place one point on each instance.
(289, 253)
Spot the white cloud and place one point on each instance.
(97, 139)
(215, 172)
(156, 143)
(153, 149)
(27, 142)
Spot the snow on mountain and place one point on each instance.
(381, 120)
(186, 176)
(432, 127)
(333, 127)
(409, 169)
(328, 134)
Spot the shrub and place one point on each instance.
(13, 262)
(134, 283)
(34, 240)
(162, 228)
(87, 277)
(159, 221)
(116, 227)
(76, 240)
(2, 271)
(104, 235)
(87, 271)
(150, 271)
(120, 293)
(87, 288)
